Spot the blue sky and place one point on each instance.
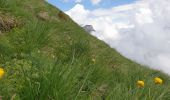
(88, 4)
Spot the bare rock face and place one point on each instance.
(43, 16)
(7, 23)
(89, 28)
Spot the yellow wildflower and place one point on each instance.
(2, 72)
(158, 80)
(140, 83)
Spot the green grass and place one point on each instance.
(52, 60)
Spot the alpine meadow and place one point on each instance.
(45, 55)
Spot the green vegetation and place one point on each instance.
(51, 59)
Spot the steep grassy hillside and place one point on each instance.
(46, 56)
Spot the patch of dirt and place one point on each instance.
(63, 16)
(7, 22)
(43, 16)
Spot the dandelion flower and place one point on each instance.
(2, 72)
(158, 80)
(140, 83)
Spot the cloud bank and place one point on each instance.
(139, 31)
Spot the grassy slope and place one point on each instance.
(53, 60)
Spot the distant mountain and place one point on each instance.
(89, 28)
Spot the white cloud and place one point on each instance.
(78, 1)
(139, 31)
(95, 2)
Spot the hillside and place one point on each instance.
(47, 56)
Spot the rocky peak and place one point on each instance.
(89, 28)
